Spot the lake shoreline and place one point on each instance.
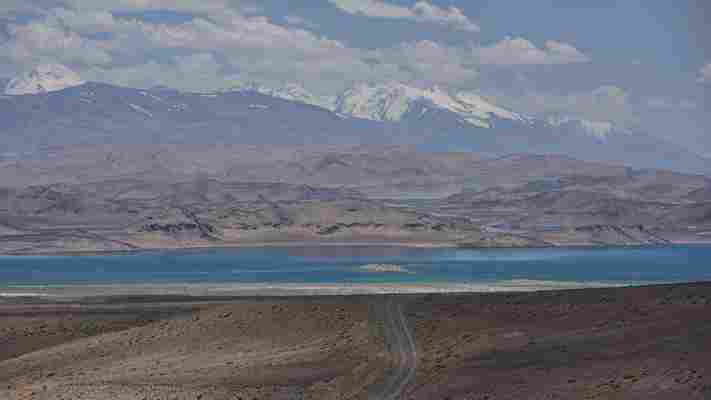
(63, 292)
(290, 244)
(351, 270)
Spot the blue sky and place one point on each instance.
(640, 64)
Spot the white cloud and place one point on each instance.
(605, 103)
(705, 74)
(140, 53)
(232, 45)
(236, 32)
(39, 42)
(86, 22)
(195, 72)
(451, 16)
(31, 7)
(665, 104)
(427, 63)
(197, 6)
(298, 21)
(373, 8)
(519, 51)
(422, 11)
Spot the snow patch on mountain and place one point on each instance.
(291, 92)
(391, 101)
(476, 104)
(387, 102)
(140, 110)
(43, 79)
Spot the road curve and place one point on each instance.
(402, 346)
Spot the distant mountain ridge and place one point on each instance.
(394, 101)
(44, 109)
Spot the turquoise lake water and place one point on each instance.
(342, 264)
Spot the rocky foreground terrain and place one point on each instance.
(84, 199)
(616, 343)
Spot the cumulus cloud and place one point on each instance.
(426, 63)
(249, 44)
(228, 45)
(298, 21)
(196, 72)
(605, 103)
(197, 6)
(237, 32)
(422, 11)
(85, 22)
(520, 51)
(39, 42)
(10, 8)
(665, 104)
(705, 74)
(125, 49)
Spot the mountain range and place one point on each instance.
(52, 106)
(89, 166)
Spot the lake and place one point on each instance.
(345, 265)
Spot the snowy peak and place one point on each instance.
(475, 103)
(387, 102)
(391, 101)
(296, 92)
(292, 92)
(42, 79)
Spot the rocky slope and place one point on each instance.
(115, 198)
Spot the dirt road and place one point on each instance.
(402, 345)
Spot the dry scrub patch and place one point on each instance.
(253, 349)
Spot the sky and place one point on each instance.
(644, 65)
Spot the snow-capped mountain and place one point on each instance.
(392, 101)
(42, 79)
(428, 119)
(292, 92)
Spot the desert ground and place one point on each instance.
(649, 342)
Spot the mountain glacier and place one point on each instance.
(391, 101)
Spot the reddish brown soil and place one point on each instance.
(245, 349)
(634, 343)
(631, 343)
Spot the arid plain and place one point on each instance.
(617, 343)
